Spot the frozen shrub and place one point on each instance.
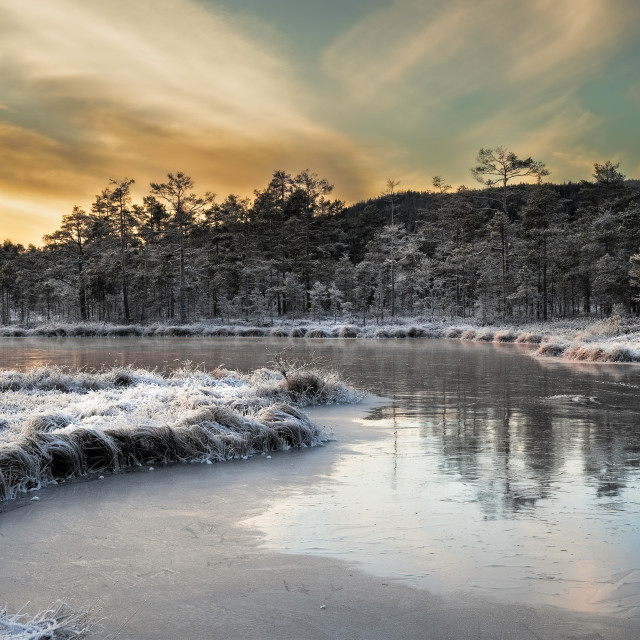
(304, 385)
(60, 456)
(291, 425)
(121, 377)
(123, 331)
(83, 331)
(252, 332)
(227, 418)
(619, 354)
(151, 444)
(317, 333)
(199, 416)
(58, 623)
(505, 335)
(398, 332)
(298, 332)
(469, 334)
(194, 442)
(122, 437)
(45, 423)
(485, 336)
(279, 332)
(97, 452)
(454, 332)
(529, 338)
(178, 331)
(136, 417)
(218, 332)
(381, 334)
(348, 331)
(581, 352)
(551, 349)
(19, 469)
(13, 332)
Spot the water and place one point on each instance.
(487, 471)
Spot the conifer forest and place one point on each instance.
(504, 249)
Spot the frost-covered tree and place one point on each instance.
(335, 297)
(317, 298)
(185, 207)
(68, 248)
(542, 221)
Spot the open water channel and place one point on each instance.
(484, 471)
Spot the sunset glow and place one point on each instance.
(356, 91)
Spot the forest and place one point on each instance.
(516, 248)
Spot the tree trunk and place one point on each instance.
(144, 283)
(183, 281)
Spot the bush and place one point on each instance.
(505, 335)
(218, 332)
(347, 332)
(317, 333)
(253, 332)
(529, 338)
(551, 349)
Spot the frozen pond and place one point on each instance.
(489, 472)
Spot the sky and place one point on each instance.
(358, 91)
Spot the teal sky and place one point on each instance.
(358, 91)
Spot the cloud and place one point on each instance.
(94, 90)
(462, 45)
(461, 74)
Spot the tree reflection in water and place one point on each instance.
(512, 427)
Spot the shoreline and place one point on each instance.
(173, 556)
(614, 340)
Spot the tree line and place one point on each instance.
(506, 251)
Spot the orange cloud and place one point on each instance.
(100, 90)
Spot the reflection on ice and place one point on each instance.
(487, 471)
(505, 478)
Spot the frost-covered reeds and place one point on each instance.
(618, 338)
(594, 352)
(58, 623)
(56, 424)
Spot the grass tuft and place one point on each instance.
(60, 622)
